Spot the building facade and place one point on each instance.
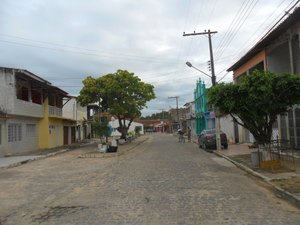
(203, 116)
(73, 110)
(30, 113)
(190, 118)
(278, 52)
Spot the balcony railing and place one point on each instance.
(54, 111)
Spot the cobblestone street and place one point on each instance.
(160, 182)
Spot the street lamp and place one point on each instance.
(213, 80)
(190, 65)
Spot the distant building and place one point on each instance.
(177, 116)
(201, 112)
(190, 118)
(115, 124)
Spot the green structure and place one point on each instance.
(200, 107)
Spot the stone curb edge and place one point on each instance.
(111, 155)
(38, 157)
(283, 193)
(60, 152)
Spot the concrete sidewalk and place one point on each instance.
(16, 160)
(12, 161)
(284, 182)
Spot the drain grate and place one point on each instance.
(56, 212)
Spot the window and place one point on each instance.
(51, 99)
(259, 66)
(14, 132)
(59, 101)
(36, 96)
(30, 129)
(22, 93)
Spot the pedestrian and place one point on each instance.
(181, 133)
(189, 134)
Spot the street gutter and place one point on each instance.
(283, 193)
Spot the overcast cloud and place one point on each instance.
(63, 41)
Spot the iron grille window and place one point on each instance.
(30, 129)
(14, 132)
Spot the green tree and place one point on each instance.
(100, 127)
(122, 94)
(160, 115)
(257, 100)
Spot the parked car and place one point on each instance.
(207, 139)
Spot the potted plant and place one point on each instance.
(100, 128)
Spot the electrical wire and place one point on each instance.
(229, 29)
(285, 11)
(237, 26)
(211, 13)
(254, 38)
(90, 52)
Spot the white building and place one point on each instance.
(115, 124)
(73, 110)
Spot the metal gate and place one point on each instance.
(277, 155)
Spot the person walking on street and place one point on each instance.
(189, 134)
(181, 137)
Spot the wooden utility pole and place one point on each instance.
(177, 111)
(213, 79)
(213, 76)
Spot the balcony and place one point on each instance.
(54, 111)
(24, 108)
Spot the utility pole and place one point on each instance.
(213, 78)
(162, 121)
(177, 111)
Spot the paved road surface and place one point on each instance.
(161, 182)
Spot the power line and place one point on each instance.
(252, 36)
(96, 53)
(211, 13)
(239, 25)
(229, 30)
(285, 12)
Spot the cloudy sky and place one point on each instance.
(63, 41)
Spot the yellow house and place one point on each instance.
(31, 114)
(56, 130)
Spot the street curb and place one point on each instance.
(38, 157)
(283, 193)
(116, 154)
(34, 159)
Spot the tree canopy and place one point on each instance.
(100, 127)
(257, 100)
(160, 115)
(122, 94)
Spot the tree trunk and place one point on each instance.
(123, 132)
(123, 129)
